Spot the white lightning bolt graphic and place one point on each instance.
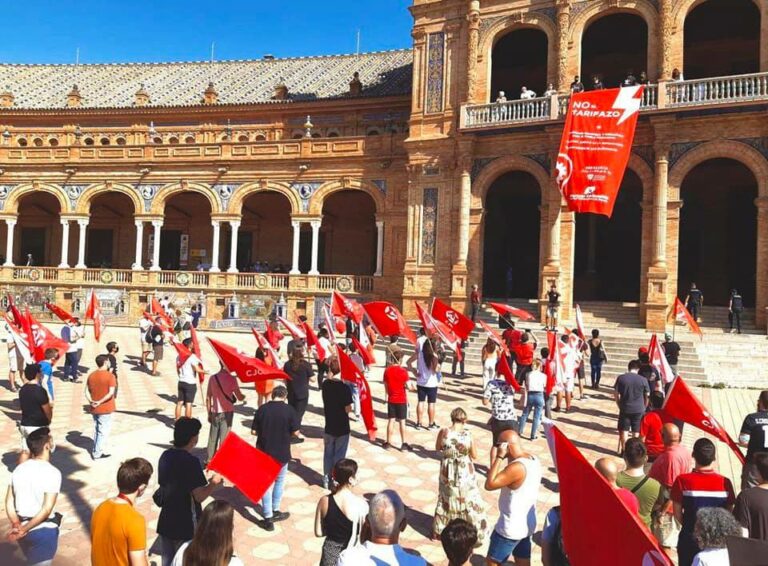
(627, 102)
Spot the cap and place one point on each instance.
(184, 430)
(643, 350)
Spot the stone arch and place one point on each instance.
(327, 189)
(247, 189)
(93, 191)
(685, 7)
(641, 168)
(723, 149)
(596, 10)
(167, 191)
(12, 204)
(502, 165)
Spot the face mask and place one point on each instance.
(52, 447)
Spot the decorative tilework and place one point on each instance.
(305, 191)
(579, 7)
(486, 23)
(429, 225)
(224, 192)
(147, 194)
(760, 144)
(435, 72)
(381, 184)
(550, 12)
(478, 165)
(678, 150)
(73, 193)
(542, 159)
(5, 190)
(646, 153)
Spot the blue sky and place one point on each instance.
(50, 31)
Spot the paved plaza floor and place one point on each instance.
(141, 427)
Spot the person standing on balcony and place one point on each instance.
(526, 94)
(735, 308)
(597, 84)
(551, 90)
(694, 301)
(577, 86)
(630, 79)
(643, 78)
(502, 97)
(474, 302)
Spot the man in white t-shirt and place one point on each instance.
(526, 94)
(381, 533)
(145, 325)
(427, 380)
(188, 376)
(31, 497)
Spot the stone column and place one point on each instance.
(553, 241)
(315, 224)
(10, 224)
(666, 25)
(64, 243)
(296, 235)
(137, 264)
(83, 224)
(235, 225)
(660, 209)
(156, 226)
(761, 285)
(215, 251)
(563, 22)
(379, 247)
(473, 39)
(465, 196)
(657, 290)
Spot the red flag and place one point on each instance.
(682, 404)
(461, 324)
(341, 306)
(158, 309)
(595, 147)
(659, 360)
(295, 331)
(251, 470)
(17, 318)
(442, 331)
(507, 310)
(556, 357)
(587, 498)
(388, 321)
(367, 359)
(182, 351)
(273, 336)
(60, 313)
(247, 369)
(312, 340)
(502, 367)
(330, 323)
(350, 372)
(42, 339)
(20, 339)
(93, 312)
(580, 323)
(493, 335)
(264, 344)
(681, 313)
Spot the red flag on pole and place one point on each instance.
(17, 318)
(442, 331)
(273, 336)
(681, 313)
(247, 369)
(312, 340)
(248, 468)
(659, 360)
(493, 335)
(330, 323)
(682, 404)
(580, 323)
(60, 313)
(586, 498)
(350, 372)
(502, 367)
(295, 331)
(556, 357)
(93, 312)
(461, 324)
(507, 310)
(388, 320)
(158, 309)
(182, 351)
(264, 344)
(20, 339)
(367, 359)
(42, 339)
(341, 306)
(595, 147)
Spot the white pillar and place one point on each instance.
(315, 245)
(156, 225)
(64, 242)
(235, 224)
(379, 247)
(137, 264)
(215, 252)
(83, 224)
(10, 224)
(296, 232)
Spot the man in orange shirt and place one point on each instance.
(100, 393)
(118, 531)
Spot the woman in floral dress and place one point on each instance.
(459, 496)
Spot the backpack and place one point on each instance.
(558, 555)
(737, 303)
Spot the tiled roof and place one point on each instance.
(384, 73)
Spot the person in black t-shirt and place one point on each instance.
(694, 301)
(754, 436)
(735, 308)
(752, 504)
(112, 350)
(671, 352)
(553, 305)
(183, 487)
(337, 404)
(274, 425)
(298, 386)
(36, 410)
(631, 392)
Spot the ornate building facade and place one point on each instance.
(398, 174)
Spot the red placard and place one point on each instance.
(595, 147)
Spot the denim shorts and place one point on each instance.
(428, 394)
(501, 548)
(40, 544)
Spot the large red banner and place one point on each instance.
(595, 148)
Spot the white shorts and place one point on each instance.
(24, 432)
(566, 386)
(13, 360)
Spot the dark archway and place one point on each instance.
(187, 235)
(718, 231)
(347, 234)
(111, 232)
(607, 256)
(266, 235)
(612, 46)
(39, 230)
(519, 59)
(722, 37)
(511, 236)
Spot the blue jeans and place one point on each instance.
(355, 397)
(334, 449)
(168, 549)
(70, 365)
(39, 545)
(597, 372)
(535, 400)
(270, 502)
(102, 424)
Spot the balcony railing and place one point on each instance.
(671, 95)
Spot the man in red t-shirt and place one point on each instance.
(651, 425)
(610, 471)
(474, 300)
(396, 382)
(511, 336)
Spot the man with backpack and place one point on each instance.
(735, 308)
(552, 548)
(156, 337)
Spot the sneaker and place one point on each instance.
(278, 516)
(433, 426)
(267, 524)
(405, 446)
(556, 409)
(387, 446)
